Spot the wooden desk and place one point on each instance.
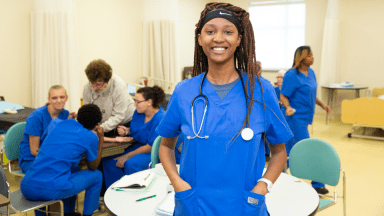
(7, 120)
(114, 148)
(332, 89)
(288, 197)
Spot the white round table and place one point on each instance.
(289, 197)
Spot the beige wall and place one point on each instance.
(15, 52)
(362, 42)
(112, 30)
(189, 15)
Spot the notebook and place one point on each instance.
(136, 182)
(167, 206)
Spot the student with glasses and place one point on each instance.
(141, 133)
(109, 92)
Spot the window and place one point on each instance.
(279, 28)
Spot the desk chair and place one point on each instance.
(155, 152)
(317, 160)
(17, 202)
(12, 141)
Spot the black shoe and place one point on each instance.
(322, 190)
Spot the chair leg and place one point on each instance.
(344, 193)
(61, 208)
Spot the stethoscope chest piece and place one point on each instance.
(247, 134)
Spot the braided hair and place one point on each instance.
(245, 55)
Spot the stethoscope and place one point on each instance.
(246, 133)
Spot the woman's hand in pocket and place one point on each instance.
(181, 185)
(260, 188)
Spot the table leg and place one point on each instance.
(330, 99)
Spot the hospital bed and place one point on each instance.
(366, 112)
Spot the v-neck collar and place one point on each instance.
(213, 97)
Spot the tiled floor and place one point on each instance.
(362, 160)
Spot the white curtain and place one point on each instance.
(54, 57)
(160, 57)
(329, 68)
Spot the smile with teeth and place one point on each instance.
(219, 48)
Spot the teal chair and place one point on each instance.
(12, 141)
(317, 160)
(155, 152)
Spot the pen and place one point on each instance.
(145, 198)
(147, 176)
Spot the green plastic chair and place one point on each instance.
(155, 152)
(12, 141)
(317, 160)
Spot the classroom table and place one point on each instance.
(332, 89)
(289, 197)
(7, 120)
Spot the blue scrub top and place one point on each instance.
(144, 133)
(301, 93)
(277, 90)
(221, 173)
(36, 124)
(63, 148)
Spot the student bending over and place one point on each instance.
(55, 174)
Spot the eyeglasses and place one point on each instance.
(137, 102)
(96, 84)
(279, 77)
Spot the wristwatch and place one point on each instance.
(268, 182)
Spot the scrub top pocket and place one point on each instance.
(185, 203)
(254, 204)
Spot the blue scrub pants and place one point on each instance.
(137, 163)
(266, 147)
(87, 180)
(300, 132)
(26, 165)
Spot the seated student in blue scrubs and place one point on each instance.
(37, 123)
(146, 118)
(55, 174)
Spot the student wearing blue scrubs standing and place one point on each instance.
(55, 173)
(221, 166)
(37, 123)
(298, 95)
(146, 118)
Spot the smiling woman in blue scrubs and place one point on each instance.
(37, 123)
(298, 95)
(146, 118)
(222, 161)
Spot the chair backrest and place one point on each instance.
(316, 160)
(4, 187)
(155, 152)
(12, 140)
